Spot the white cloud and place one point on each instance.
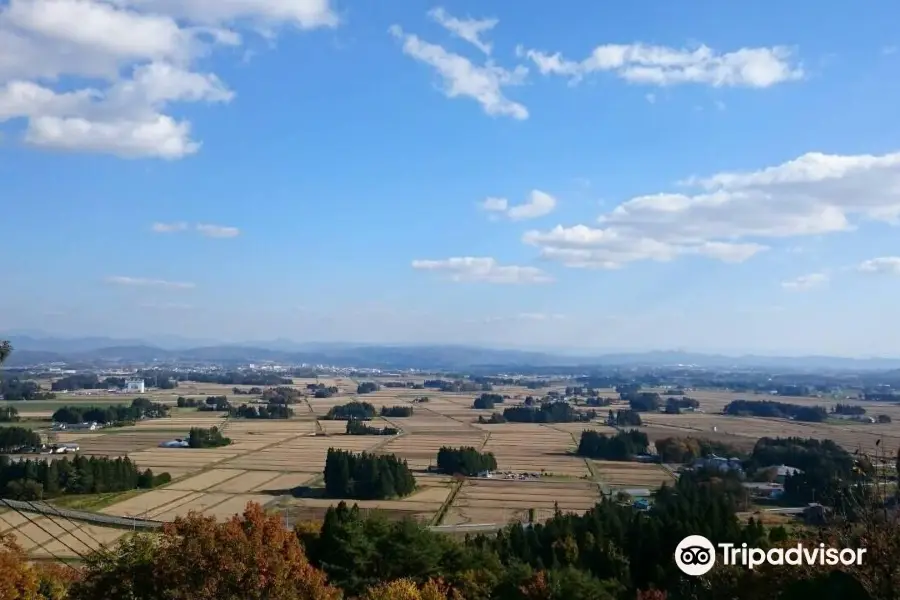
(218, 231)
(539, 204)
(492, 204)
(168, 227)
(144, 282)
(663, 66)
(651, 98)
(487, 270)
(806, 282)
(461, 77)
(50, 48)
(888, 50)
(883, 265)
(469, 30)
(731, 214)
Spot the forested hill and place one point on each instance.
(34, 350)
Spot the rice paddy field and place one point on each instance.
(279, 463)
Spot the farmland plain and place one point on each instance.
(278, 463)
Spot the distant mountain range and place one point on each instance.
(31, 350)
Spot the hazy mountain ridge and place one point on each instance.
(31, 350)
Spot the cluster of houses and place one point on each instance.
(88, 426)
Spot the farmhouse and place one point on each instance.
(134, 386)
(720, 463)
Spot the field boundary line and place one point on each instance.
(448, 504)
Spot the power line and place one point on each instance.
(41, 527)
(37, 545)
(75, 526)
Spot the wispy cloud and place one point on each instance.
(482, 269)
(218, 231)
(470, 30)
(462, 78)
(169, 227)
(145, 282)
(806, 282)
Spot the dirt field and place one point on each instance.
(37, 537)
(632, 475)
(496, 501)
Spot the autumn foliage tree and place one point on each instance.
(406, 589)
(20, 580)
(249, 557)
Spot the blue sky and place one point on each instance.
(707, 175)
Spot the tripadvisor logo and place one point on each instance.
(696, 555)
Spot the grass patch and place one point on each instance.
(93, 502)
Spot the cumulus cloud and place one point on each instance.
(539, 204)
(806, 282)
(664, 66)
(218, 231)
(139, 56)
(144, 282)
(486, 270)
(470, 30)
(728, 215)
(462, 78)
(889, 265)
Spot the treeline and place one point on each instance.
(396, 411)
(403, 384)
(848, 409)
(465, 461)
(456, 386)
(366, 476)
(687, 449)
(254, 391)
(642, 401)
(325, 392)
(9, 414)
(251, 378)
(624, 418)
(16, 389)
(769, 408)
(357, 427)
(91, 381)
(827, 470)
(37, 479)
(549, 412)
(362, 411)
(487, 401)
(18, 439)
(281, 395)
(367, 387)
(215, 404)
(624, 445)
(211, 437)
(608, 553)
(119, 414)
(262, 411)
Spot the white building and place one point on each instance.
(135, 386)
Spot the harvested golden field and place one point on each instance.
(632, 475)
(422, 505)
(534, 448)
(485, 501)
(38, 537)
(420, 450)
